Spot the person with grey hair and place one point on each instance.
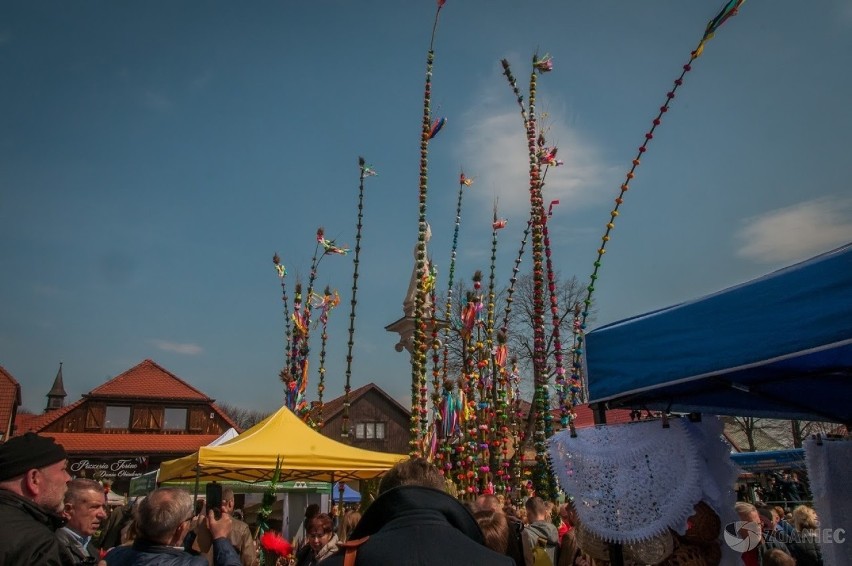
(163, 520)
(415, 521)
(85, 503)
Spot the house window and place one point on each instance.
(174, 419)
(370, 431)
(117, 417)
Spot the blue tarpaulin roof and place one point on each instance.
(779, 346)
(349, 494)
(792, 459)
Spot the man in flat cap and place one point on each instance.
(33, 479)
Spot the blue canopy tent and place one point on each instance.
(779, 346)
(770, 460)
(349, 494)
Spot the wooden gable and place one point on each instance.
(369, 406)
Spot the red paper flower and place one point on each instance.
(273, 542)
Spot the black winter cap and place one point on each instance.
(30, 451)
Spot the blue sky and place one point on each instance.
(154, 155)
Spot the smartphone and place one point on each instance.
(214, 498)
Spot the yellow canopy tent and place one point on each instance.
(305, 454)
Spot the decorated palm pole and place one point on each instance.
(490, 374)
(729, 10)
(542, 476)
(324, 303)
(295, 373)
(364, 172)
(470, 329)
(446, 405)
(419, 413)
(556, 320)
(295, 370)
(281, 271)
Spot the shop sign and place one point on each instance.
(109, 469)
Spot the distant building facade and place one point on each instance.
(377, 421)
(130, 424)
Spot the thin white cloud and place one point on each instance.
(177, 347)
(494, 152)
(798, 231)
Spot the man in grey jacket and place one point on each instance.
(163, 521)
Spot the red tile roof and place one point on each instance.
(22, 422)
(585, 416)
(146, 380)
(89, 443)
(10, 400)
(150, 381)
(36, 423)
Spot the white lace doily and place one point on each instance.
(830, 474)
(717, 482)
(633, 481)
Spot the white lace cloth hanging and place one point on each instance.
(830, 475)
(632, 482)
(721, 473)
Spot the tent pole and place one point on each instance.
(197, 479)
(331, 495)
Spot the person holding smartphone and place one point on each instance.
(163, 520)
(240, 535)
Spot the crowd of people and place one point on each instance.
(785, 538)
(782, 487)
(51, 519)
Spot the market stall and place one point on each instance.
(779, 346)
(304, 454)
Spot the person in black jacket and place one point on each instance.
(32, 487)
(415, 522)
